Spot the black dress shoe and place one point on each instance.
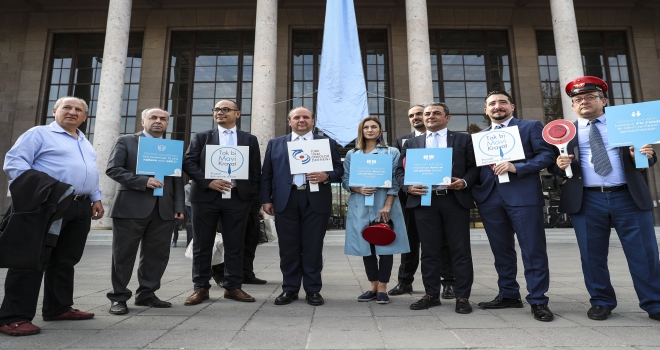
(463, 306)
(448, 292)
(286, 298)
(501, 303)
(401, 288)
(254, 280)
(153, 301)
(426, 302)
(655, 316)
(314, 298)
(118, 308)
(598, 313)
(542, 313)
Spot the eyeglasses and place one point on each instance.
(587, 98)
(418, 114)
(223, 110)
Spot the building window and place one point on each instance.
(465, 66)
(76, 71)
(306, 65)
(604, 55)
(206, 67)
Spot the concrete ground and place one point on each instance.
(344, 323)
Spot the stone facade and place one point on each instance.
(26, 41)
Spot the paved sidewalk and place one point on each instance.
(344, 323)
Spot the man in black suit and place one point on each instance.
(449, 210)
(141, 219)
(607, 190)
(301, 216)
(410, 261)
(209, 206)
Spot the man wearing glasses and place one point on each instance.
(607, 190)
(410, 261)
(209, 206)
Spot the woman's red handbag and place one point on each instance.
(379, 233)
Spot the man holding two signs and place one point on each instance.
(606, 189)
(209, 206)
(301, 215)
(449, 210)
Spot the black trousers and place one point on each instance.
(233, 212)
(410, 261)
(378, 269)
(152, 235)
(22, 287)
(445, 215)
(250, 245)
(300, 233)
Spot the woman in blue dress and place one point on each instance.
(386, 207)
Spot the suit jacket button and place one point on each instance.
(580, 178)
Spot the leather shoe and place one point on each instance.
(19, 328)
(153, 301)
(197, 297)
(238, 295)
(286, 298)
(71, 315)
(400, 288)
(598, 313)
(542, 313)
(463, 306)
(655, 316)
(448, 292)
(314, 298)
(501, 303)
(426, 302)
(118, 308)
(254, 280)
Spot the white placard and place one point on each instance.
(497, 146)
(227, 162)
(309, 156)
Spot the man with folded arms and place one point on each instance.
(449, 212)
(140, 219)
(608, 190)
(209, 206)
(61, 151)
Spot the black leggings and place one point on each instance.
(378, 270)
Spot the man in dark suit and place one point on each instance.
(301, 216)
(449, 210)
(607, 190)
(141, 219)
(410, 261)
(516, 207)
(209, 206)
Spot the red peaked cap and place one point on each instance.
(585, 84)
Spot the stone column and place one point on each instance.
(111, 89)
(567, 47)
(419, 54)
(265, 66)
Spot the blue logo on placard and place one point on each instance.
(300, 156)
(227, 160)
(497, 143)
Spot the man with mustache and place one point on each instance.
(516, 207)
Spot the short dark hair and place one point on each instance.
(417, 105)
(441, 104)
(499, 92)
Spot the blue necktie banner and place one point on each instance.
(160, 158)
(428, 167)
(342, 93)
(370, 170)
(635, 124)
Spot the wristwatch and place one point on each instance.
(327, 181)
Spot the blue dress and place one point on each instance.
(359, 215)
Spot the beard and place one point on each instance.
(498, 118)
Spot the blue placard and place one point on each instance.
(160, 158)
(370, 170)
(428, 167)
(635, 124)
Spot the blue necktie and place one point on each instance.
(500, 126)
(229, 139)
(299, 179)
(434, 140)
(599, 158)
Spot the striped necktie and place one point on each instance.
(599, 158)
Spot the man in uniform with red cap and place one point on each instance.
(607, 190)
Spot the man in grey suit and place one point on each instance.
(139, 217)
